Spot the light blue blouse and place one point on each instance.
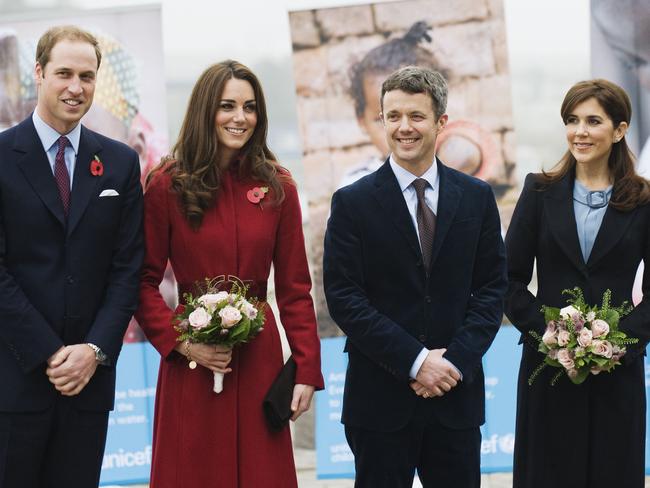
(589, 208)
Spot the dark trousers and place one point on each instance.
(442, 457)
(60, 447)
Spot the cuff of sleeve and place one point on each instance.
(417, 364)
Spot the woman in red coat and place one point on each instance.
(200, 215)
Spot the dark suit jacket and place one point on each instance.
(64, 283)
(543, 227)
(378, 293)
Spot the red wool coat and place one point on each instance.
(202, 439)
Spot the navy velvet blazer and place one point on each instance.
(379, 295)
(65, 282)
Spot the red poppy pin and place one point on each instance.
(96, 166)
(257, 194)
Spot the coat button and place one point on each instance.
(427, 299)
(422, 338)
(70, 280)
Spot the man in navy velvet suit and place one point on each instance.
(414, 272)
(70, 255)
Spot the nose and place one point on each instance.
(404, 125)
(239, 115)
(75, 86)
(581, 129)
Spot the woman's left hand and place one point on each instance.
(301, 401)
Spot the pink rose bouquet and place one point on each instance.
(219, 317)
(581, 340)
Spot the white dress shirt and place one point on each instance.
(49, 138)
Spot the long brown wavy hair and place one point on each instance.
(630, 189)
(193, 163)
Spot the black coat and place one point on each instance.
(65, 283)
(378, 294)
(593, 434)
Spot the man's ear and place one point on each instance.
(442, 122)
(39, 73)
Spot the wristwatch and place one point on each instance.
(100, 356)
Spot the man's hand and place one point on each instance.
(436, 375)
(71, 367)
(302, 395)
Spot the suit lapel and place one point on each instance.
(613, 227)
(561, 219)
(389, 196)
(84, 183)
(36, 168)
(449, 196)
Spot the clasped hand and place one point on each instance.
(214, 357)
(71, 367)
(436, 376)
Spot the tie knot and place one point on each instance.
(420, 184)
(62, 142)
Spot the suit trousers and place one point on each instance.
(59, 447)
(442, 457)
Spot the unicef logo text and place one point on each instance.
(498, 444)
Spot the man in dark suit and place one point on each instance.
(70, 255)
(414, 272)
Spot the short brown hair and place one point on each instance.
(418, 79)
(60, 33)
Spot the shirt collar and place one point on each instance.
(405, 177)
(49, 136)
(593, 199)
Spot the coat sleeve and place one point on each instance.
(522, 307)
(378, 337)
(153, 315)
(485, 305)
(23, 329)
(121, 294)
(637, 323)
(292, 287)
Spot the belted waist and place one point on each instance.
(255, 289)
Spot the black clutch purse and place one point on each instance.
(277, 402)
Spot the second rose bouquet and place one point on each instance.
(219, 317)
(580, 339)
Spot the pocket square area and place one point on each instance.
(108, 193)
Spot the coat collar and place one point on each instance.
(389, 196)
(562, 223)
(34, 164)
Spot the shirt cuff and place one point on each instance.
(417, 364)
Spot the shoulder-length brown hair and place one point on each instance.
(630, 189)
(193, 163)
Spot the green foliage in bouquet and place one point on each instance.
(219, 317)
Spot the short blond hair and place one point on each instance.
(64, 32)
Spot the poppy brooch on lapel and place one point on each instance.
(257, 194)
(96, 166)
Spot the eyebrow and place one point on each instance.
(235, 101)
(595, 116)
(66, 70)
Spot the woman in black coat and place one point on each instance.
(587, 224)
